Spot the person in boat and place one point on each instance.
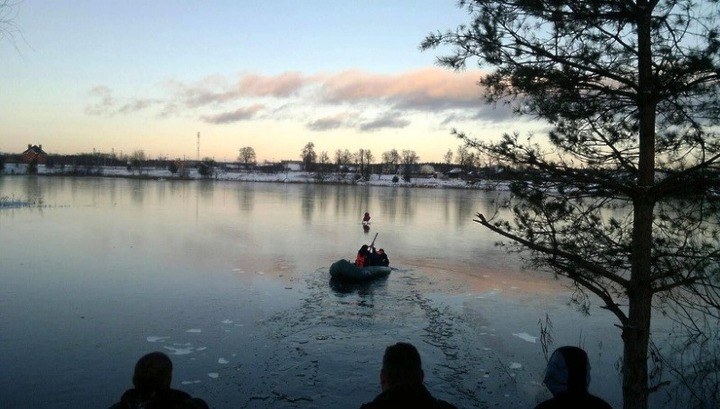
(366, 218)
(377, 258)
(363, 256)
(567, 377)
(152, 377)
(381, 259)
(401, 381)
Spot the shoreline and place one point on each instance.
(298, 177)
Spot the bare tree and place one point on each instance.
(409, 158)
(619, 195)
(137, 161)
(448, 157)
(8, 13)
(247, 157)
(323, 166)
(391, 160)
(308, 156)
(364, 159)
(343, 157)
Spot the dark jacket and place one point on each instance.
(567, 400)
(567, 377)
(170, 399)
(407, 396)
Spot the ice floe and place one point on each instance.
(156, 339)
(526, 337)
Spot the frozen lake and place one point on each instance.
(231, 280)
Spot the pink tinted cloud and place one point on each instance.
(282, 85)
(422, 89)
(216, 90)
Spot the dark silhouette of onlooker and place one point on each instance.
(567, 377)
(401, 379)
(152, 378)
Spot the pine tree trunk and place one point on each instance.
(636, 333)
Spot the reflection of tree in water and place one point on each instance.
(307, 201)
(246, 197)
(326, 351)
(389, 210)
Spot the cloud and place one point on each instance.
(241, 114)
(137, 105)
(425, 90)
(330, 122)
(105, 104)
(291, 95)
(486, 113)
(283, 85)
(389, 120)
(216, 90)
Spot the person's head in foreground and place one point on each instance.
(153, 373)
(401, 366)
(568, 370)
(567, 377)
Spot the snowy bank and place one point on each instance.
(419, 181)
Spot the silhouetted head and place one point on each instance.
(401, 366)
(381, 251)
(364, 247)
(153, 372)
(568, 370)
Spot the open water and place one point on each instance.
(231, 280)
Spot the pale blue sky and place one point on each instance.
(274, 75)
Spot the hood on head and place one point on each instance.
(568, 370)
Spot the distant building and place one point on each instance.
(34, 153)
(292, 165)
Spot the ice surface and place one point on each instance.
(223, 361)
(515, 365)
(194, 330)
(214, 375)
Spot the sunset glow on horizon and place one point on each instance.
(116, 77)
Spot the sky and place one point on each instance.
(80, 76)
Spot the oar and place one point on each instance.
(373, 242)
